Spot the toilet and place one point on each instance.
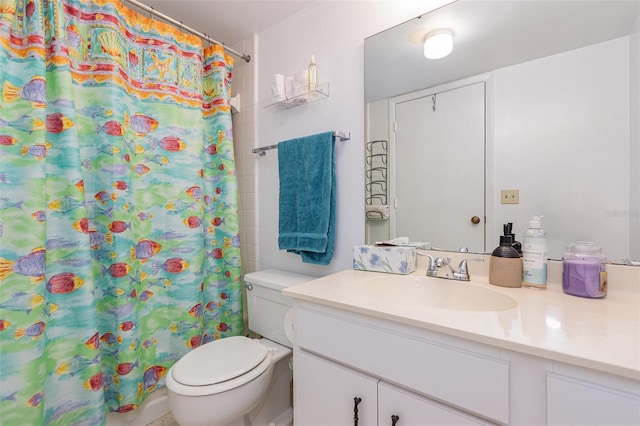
(238, 380)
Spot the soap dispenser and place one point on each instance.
(505, 264)
(508, 230)
(534, 255)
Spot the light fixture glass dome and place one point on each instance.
(438, 44)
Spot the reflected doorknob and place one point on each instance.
(475, 220)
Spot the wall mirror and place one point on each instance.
(557, 84)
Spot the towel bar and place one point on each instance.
(343, 136)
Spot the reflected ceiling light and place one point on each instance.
(438, 43)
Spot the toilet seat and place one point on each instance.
(219, 366)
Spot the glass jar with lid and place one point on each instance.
(584, 270)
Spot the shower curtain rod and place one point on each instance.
(343, 136)
(179, 24)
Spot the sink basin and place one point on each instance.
(418, 292)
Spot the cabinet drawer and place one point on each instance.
(461, 378)
(572, 401)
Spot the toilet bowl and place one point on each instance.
(238, 380)
(239, 377)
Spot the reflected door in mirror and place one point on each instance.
(440, 187)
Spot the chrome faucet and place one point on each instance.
(435, 263)
(460, 274)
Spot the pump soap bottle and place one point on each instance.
(534, 255)
(505, 264)
(508, 230)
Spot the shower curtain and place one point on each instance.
(119, 244)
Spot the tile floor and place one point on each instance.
(164, 421)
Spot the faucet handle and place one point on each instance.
(442, 261)
(435, 263)
(432, 269)
(462, 273)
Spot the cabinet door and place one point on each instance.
(413, 410)
(325, 392)
(571, 401)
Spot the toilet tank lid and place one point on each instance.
(275, 279)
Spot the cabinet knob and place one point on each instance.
(356, 401)
(394, 420)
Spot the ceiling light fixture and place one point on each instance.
(438, 43)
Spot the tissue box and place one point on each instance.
(394, 260)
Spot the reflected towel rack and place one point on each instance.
(376, 178)
(343, 136)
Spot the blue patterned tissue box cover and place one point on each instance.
(394, 260)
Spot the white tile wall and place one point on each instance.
(244, 139)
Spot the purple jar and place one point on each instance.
(584, 270)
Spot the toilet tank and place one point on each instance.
(266, 306)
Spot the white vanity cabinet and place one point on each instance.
(340, 356)
(424, 377)
(551, 359)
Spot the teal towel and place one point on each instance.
(307, 221)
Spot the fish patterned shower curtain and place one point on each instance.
(119, 244)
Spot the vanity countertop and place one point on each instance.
(601, 334)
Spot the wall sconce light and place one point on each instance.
(438, 43)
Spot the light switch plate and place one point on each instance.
(510, 196)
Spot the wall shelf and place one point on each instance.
(300, 98)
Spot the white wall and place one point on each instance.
(634, 216)
(334, 31)
(544, 129)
